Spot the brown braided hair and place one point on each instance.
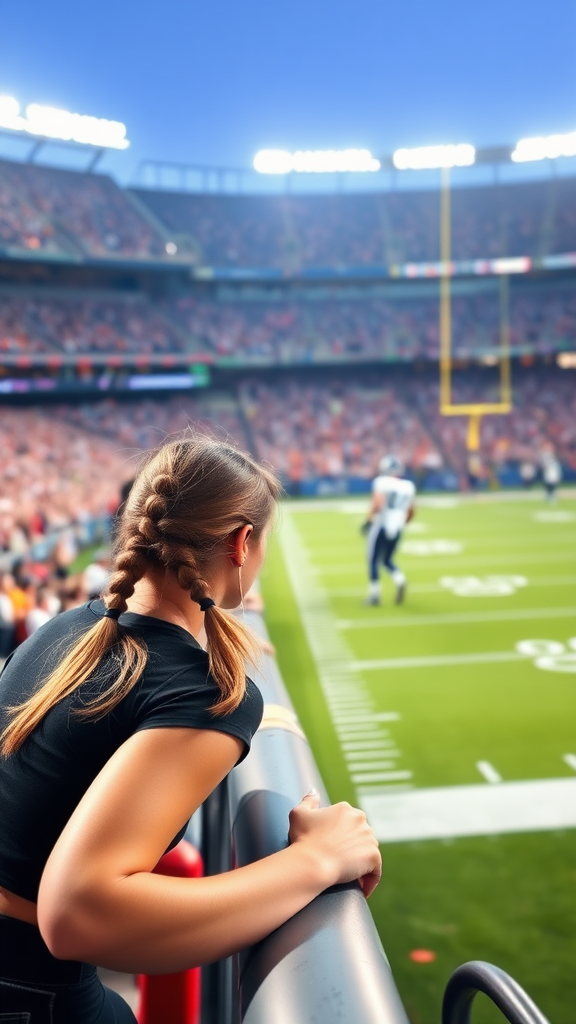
(188, 497)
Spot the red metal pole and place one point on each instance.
(173, 997)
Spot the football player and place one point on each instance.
(391, 508)
(551, 474)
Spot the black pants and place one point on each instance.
(380, 550)
(36, 988)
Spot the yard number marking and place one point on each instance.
(550, 655)
(483, 586)
(432, 547)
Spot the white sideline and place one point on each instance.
(481, 810)
(356, 721)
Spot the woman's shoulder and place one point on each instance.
(181, 692)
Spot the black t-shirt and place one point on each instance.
(42, 783)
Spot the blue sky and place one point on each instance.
(213, 83)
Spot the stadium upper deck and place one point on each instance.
(295, 232)
(72, 216)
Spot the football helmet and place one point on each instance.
(390, 464)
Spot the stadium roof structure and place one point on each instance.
(286, 167)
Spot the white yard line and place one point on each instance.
(369, 767)
(489, 772)
(451, 618)
(438, 660)
(354, 715)
(461, 560)
(367, 760)
(365, 777)
(367, 745)
(532, 806)
(435, 588)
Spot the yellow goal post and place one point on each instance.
(474, 410)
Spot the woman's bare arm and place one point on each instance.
(99, 901)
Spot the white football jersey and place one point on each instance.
(398, 497)
(552, 472)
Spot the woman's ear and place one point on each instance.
(238, 544)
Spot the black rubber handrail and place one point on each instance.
(479, 976)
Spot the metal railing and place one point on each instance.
(507, 994)
(324, 964)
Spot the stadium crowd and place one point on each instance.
(68, 324)
(543, 419)
(338, 428)
(48, 210)
(380, 229)
(333, 429)
(303, 326)
(325, 325)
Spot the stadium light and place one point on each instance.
(53, 123)
(548, 147)
(316, 161)
(433, 157)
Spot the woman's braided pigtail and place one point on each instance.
(230, 644)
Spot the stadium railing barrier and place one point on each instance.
(327, 962)
(478, 976)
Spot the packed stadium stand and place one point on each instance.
(306, 325)
(330, 324)
(317, 376)
(529, 219)
(54, 212)
(64, 322)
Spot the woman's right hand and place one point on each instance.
(341, 838)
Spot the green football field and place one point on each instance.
(452, 720)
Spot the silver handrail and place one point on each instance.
(479, 976)
(326, 963)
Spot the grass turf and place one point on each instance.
(508, 899)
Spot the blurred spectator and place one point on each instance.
(95, 575)
(528, 472)
(44, 608)
(7, 631)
